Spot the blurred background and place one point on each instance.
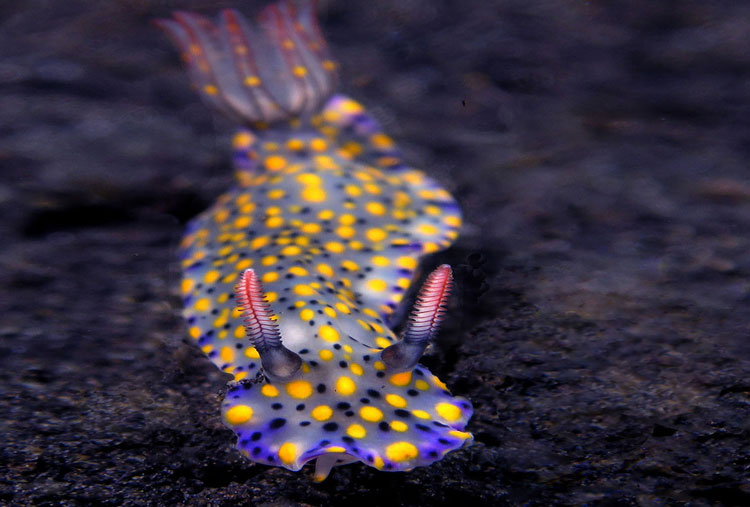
(599, 151)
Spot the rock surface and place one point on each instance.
(599, 151)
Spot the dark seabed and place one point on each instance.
(601, 328)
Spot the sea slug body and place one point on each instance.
(292, 278)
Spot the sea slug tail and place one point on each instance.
(275, 69)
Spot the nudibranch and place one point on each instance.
(293, 277)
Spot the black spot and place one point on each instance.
(256, 451)
(373, 393)
(418, 372)
(343, 405)
(380, 374)
(412, 392)
(438, 423)
(365, 357)
(369, 458)
(402, 413)
(342, 364)
(364, 400)
(348, 413)
(331, 426)
(422, 427)
(238, 345)
(313, 363)
(337, 346)
(255, 436)
(305, 423)
(321, 388)
(444, 441)
(323, 443)
(277, 423)
(304, 351)
(244, 442)
(277, 406)
(300, 407)
(432, 454)
(348, 440)
(311, 323)
(384, 426)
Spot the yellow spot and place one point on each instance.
(328, 333)
(356, 369)
(401, 379)
(325, 355)
(421, 385)
(259, 242)
(268, 260)
(271, 296)
(334, 247)
(356, 431)
(375, 208)
(311, 228)
(406, 262)
(275, 163)
(372, 188)
(318, 145)
(242, 222)
(427, 229)
(401, 451)
(377, 285)
(211, 89)
(321, 413)
(243, 264)
(252, 81)
(309, 179)
(382, 342)
(303, 290)
(399, 426)
(242, 140)
(187, 285)
(288, 452)
(335, 448)
(195, 332)
(345, 386)
(439, 383)
(273, 222)
(381, 261)
(326, 214)
(227, 354)
(239, 332)
(448, 411)
(299, 389)
(325, 269)
(203, 304)
(306, 314)
(370, 413)
(299, 71)
(276, 193)
(376, 234)
(313, 194)
(239, 414)
(453, 221)
(379, 365)
(395, 400)
(353, 190)
(239, 376)
(295, 144)
(346, 232)
(252, 353)
(332, 313)
(421, 414)
(271, 276)
(379, 464)
(382, 141)
(269, 390)
(291, 250)
(460, 434)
